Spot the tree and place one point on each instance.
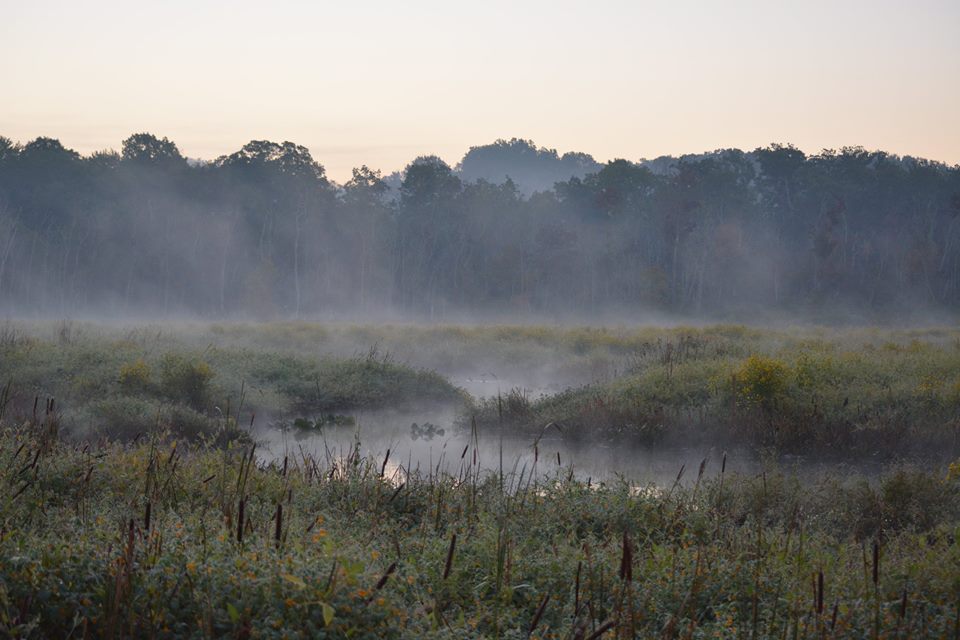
(147, 149)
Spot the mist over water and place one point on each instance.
(379, 433)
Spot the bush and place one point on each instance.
(761, 381)
(124, 418)
(118, 418)
(185, 380)
(135, 376)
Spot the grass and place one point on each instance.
(841, 393)
(159, 539)
(117, 383)
(855, 392)
(134, 505)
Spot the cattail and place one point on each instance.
(903, 605)
(626, 559)
(386, 576)
(576, 589)
(876, 562)
(383, 468)
(397, 492)
(146, 518)
(240, 521)
(279, 526)
(453, 545)
(606, 626)
(819, 592)
(538, 614)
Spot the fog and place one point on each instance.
(514, 233)
(387, 436)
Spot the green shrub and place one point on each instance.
(120, 418)
(185, 380)
(124, 418)
(761, 381)
(135, 376)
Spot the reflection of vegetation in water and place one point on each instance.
(427, 431)
(329, 420)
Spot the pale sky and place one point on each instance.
(381, 82)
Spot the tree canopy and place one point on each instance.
(512, 229)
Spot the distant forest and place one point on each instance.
(512, 231)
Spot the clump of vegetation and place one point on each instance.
(840, 393)
(167, 540)
(329, 420)
(426, 431)
(185, 380)
(117, 383)
(761, 381)
(126, 418)
(369, 381)
(135, 376)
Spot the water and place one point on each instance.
(380, 431)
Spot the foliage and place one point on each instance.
(513, 231)
(761, 381)
(164, 540)
(185, 380)
(135, 376)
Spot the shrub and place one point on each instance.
(761, 380)
(124, 418)
(135, 376)
(185, 380)
(118, 418)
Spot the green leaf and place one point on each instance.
(233, 613)
(328, 612)
(295, 580)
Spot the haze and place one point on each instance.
(379, 83)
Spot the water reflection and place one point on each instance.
(427, 442)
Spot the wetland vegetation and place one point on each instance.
(140, 502)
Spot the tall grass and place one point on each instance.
(162, 539)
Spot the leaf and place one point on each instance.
(328, 612)
(295, 580)
(233, 613)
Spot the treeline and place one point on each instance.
(264, 233)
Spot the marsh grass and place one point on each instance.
(118, 383)
(163, 539)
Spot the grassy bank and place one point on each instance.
(848, 393)
(843, 393)
(120, 383)
(164, 540)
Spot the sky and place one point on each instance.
(381, 82)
